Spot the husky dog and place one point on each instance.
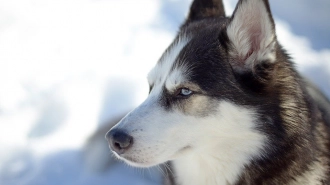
(227, 107)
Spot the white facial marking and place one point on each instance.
(223, 145)
(177, 77)
(162, 71)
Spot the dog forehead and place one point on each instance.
(194, 51)
(166, 71)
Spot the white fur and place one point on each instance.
(177, 77)
(225, 143)
(159, 74)
(251, 34)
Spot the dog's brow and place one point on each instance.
(163, 68)
(176, 78)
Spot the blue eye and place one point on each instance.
(185, 92)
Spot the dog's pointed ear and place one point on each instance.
(200, 9)
(251, 33)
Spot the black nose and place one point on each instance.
(119, 141)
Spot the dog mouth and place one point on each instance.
(133, 161)
(145, 162)
(126, 158)
(129, 159)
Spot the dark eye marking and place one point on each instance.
(150, 88)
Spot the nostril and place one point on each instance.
(122, 140)
(119, 140)
(117, 145)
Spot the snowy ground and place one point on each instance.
(67, 66)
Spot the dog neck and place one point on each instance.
(206, 170)
(220, 165)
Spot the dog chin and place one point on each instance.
(140, 165)
(136, 163)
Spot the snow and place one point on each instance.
(68, 66)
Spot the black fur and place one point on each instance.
(207, 8)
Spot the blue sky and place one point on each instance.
(307, 18)
(67, 66)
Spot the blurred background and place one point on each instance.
(70, 68)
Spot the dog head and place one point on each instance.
(208, 91)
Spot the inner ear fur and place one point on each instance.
(251, 34)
